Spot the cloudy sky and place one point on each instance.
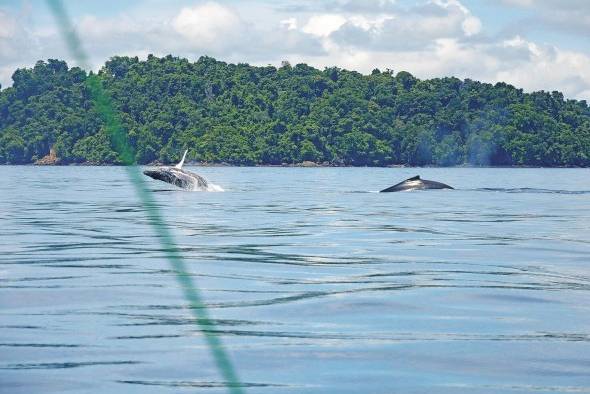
(533, 44)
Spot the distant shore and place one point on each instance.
(305, 164)
(243, 115)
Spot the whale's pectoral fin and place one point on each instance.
(179, 165)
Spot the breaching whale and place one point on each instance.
(415, 183)
(177, 176)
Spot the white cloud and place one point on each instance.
(429, 39)
(519, 3)
(471, 26)
(565, 16)
(516, 61)
(552, 69)
(18, 46)
(6, 72)
(323, 25)
(408, 29)
(290, 24)
(15, 40)
(207, 24)
(584, 95)
(7, 26)
(92, 27)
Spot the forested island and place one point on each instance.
(245, 115)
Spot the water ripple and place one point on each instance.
(314, 284)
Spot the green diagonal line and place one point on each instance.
(104, 106)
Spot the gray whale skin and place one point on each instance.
(415, 183)
(177, 176)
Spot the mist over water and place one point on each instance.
(315, 283)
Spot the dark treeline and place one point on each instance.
(242, 114)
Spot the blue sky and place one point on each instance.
(533, 44)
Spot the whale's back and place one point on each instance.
(415, 183)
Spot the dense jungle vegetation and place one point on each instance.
(240, 114)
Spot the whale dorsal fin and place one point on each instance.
(179, 165)
(414, 178)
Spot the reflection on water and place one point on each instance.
(315, 283)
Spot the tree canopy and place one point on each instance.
(246, 115)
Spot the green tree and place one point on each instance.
(240, 114)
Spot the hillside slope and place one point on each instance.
(242, 114)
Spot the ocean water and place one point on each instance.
(316, 283)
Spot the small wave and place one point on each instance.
(200, 384)
(66, 365)
(40, 345)
(530, 190)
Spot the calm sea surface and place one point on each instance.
(317, 283)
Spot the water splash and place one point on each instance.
(209, 187)
(212, 187)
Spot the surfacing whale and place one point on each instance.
(177, 176)
(415, 183)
